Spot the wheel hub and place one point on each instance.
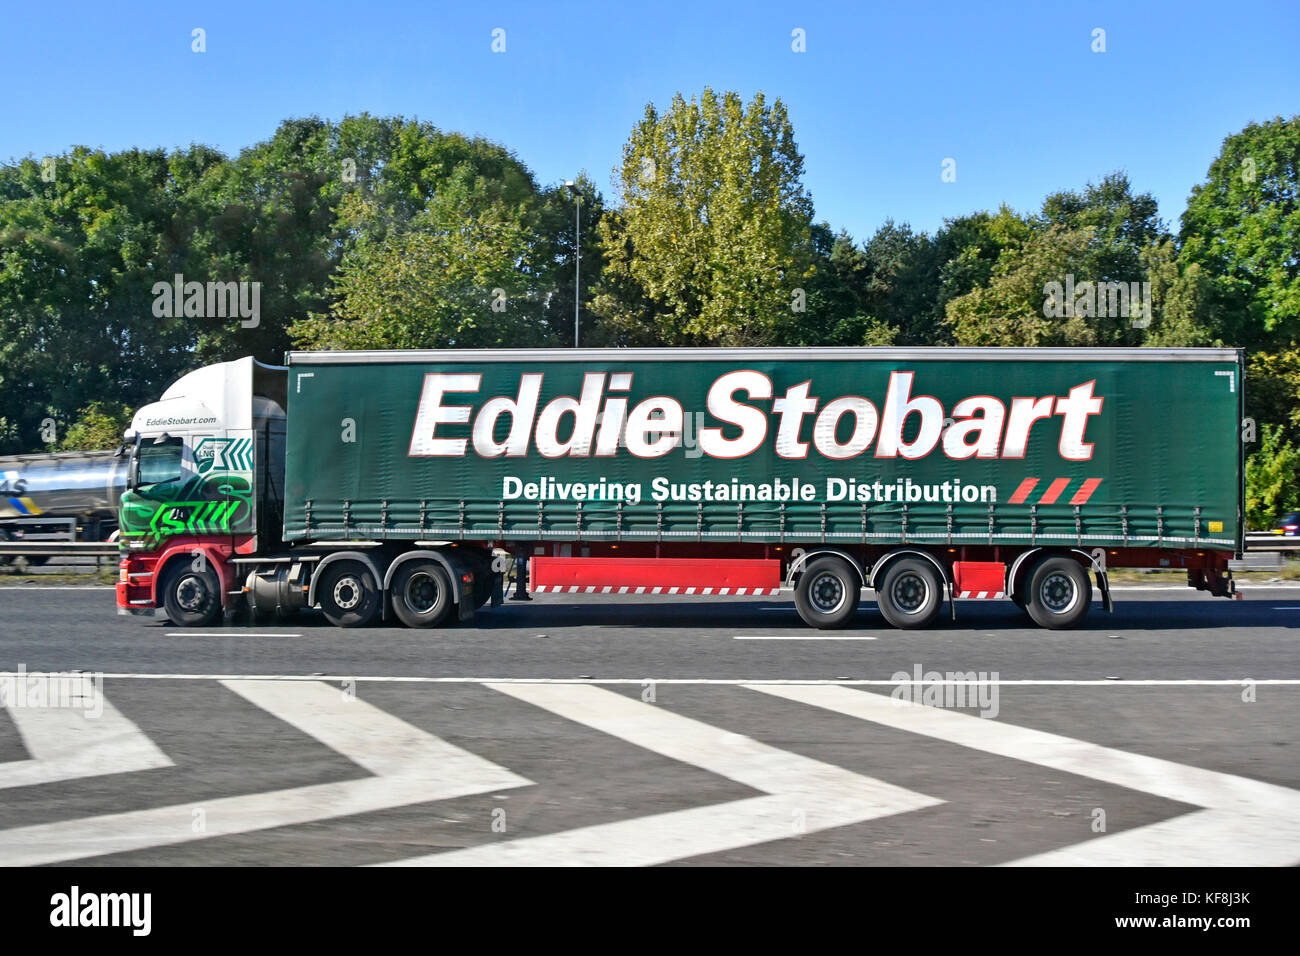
(347, 593)
(826, 593)
(910, 592)
(1058, 593)
(191, 593)
(421, 593)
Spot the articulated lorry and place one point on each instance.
(406, 485)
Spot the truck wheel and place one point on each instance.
(910, 595)
(192, 598)
(348, 594)
(1060, 593)
(421, 593)
(827, 593)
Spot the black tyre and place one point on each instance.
(1059, 594)
(191, 598)
(910, 594)
(349, 594)
(827, 593)
(422, 595)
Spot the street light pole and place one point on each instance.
(577, 254)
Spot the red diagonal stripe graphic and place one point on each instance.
(1083, 494)
(1023, 491)
(1054, 491)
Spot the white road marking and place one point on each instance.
(66, 743)
(803, 795)
(1245, 822)
(703, 681)
(228, 632)
(801, 637)
(410, 766)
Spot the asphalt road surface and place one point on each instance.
(610, 730)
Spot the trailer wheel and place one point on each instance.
(1060, 593)
(827, 593)
(191, 598)
(910, 595)
(349, 594)
(421, 593)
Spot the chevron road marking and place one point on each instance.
(802, 795)
(1245, 822)
(68, 742)
(409, 766)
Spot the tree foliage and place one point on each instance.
(80, 250)
(98, 426)
(1272, 479)
(1242, 228)
(714, 230)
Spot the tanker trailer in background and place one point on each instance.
(65, 496)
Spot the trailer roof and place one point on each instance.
(390, 356)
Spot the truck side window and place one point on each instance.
(159, 462)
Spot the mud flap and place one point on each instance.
(500, 564)
(465, 606)
(1103, 584)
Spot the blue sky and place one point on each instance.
(884, 94)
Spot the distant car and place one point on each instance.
(1288, 524)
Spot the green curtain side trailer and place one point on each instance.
(407, 484)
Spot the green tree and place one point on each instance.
(832, 310)
(1273, 390)
(457, 277)
(83, 238)
(1078, 273)
(321, 197)
(98, 426)
(1272, 479)
(1242, 228)
(1178, 291)
(1009, 310)
(551, 262)
(714, 226)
